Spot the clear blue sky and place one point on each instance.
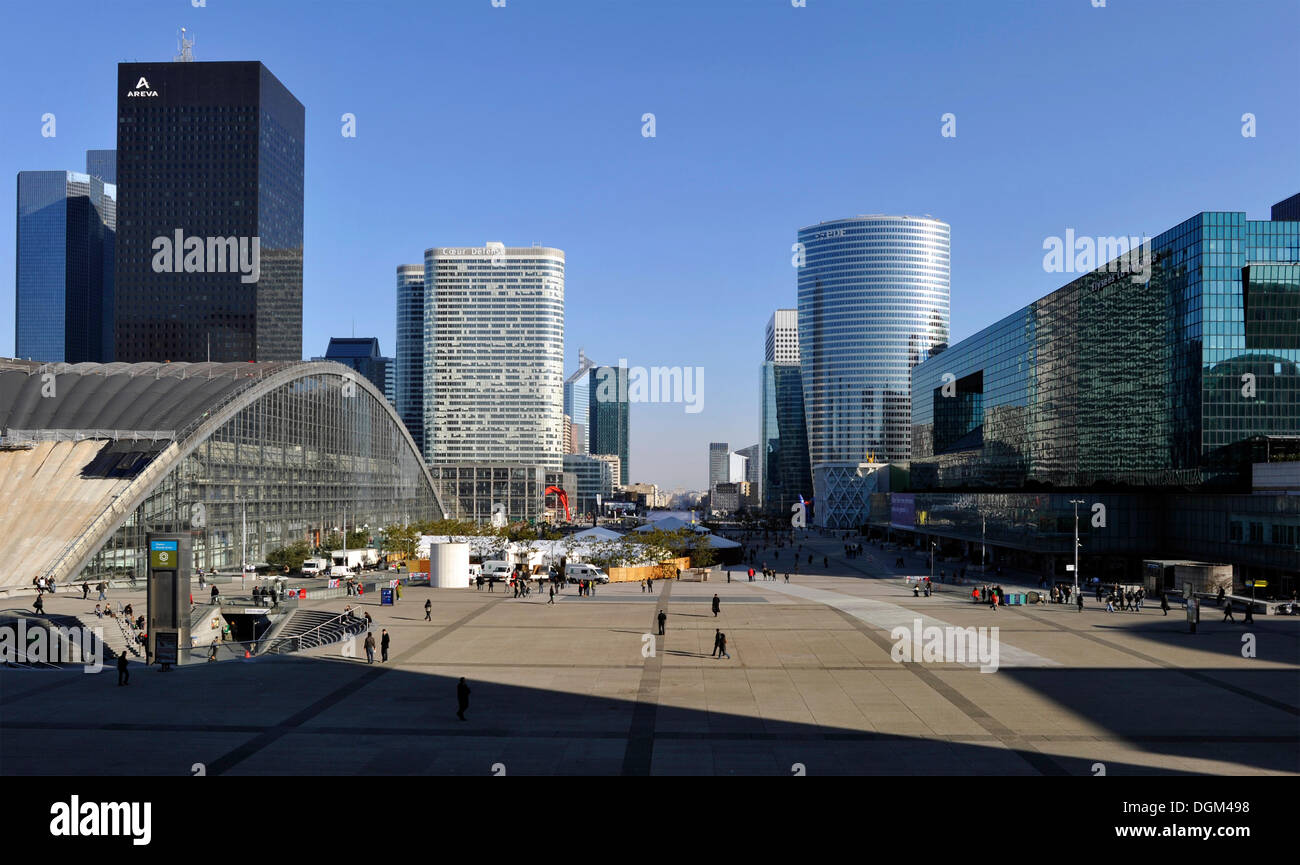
(523, 124)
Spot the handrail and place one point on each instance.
(300, 638)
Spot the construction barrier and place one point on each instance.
(664, 570)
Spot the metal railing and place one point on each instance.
(314, 638)
(32, 436)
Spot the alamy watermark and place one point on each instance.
(656, 384)
(181, 254)
(40, 644)
(946, 645)
(1071, 254)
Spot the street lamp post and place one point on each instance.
(1076, 503)
(933, 545)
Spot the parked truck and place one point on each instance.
(353, 560)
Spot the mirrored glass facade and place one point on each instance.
(63, 281)
(1118, 380)
(873, 301)
(783, 448)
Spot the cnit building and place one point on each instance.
(1165, 397)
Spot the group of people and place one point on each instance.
(43, 584)
(852, 551)
(991, 595)
(922, 585)
(1125, 599)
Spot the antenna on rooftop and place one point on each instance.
(186, 54)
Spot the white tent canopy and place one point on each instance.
(671, 524)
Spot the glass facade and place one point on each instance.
(362, 354)
(593, 478)
(408, 380)
(577, 402)
(475, 492)
(213, 150)
(873, 302)
(608, 415)
(1121, 380)
(1148, 392)
(66, 227)
(783, 445)
(294, 462)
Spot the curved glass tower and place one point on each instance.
(873, 303)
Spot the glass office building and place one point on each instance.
(362, 354)
(608, 412)
(246, 457)
(873, 302)
(783, 448)
(408, 375)
(1149, 389)
(577, 403)
(208, 154)
(66, 225)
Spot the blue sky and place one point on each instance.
(523, 124)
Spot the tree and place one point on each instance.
(402, 540)
(291, 556)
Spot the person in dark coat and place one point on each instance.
(39, 606)
(662, 618)
(717, 641)
(383, 646)
(722, 646)
(370, 648)
(462, 698)
(1164, 603)
(428, 610)
(123, 675)
(717, 606)
(85, 590)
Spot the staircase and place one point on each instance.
(307, 629)
(115, 632)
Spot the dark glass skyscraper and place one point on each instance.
(63, 274)
(608, 406)
(408, 379)
(210, 209)
(362, 354)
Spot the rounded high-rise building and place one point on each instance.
(873, 303)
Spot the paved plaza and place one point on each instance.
(810, 686)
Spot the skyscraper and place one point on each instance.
(781, 340)
(408, 377)
(608, 413)
(63, 275)
(873, 303)
(577, 403)
(494, 372)
(102, 164)
(362, 354)
(782, 461)
(719, 463)
(210, 204)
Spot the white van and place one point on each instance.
(475, 571)
(496, 571)
(576, 573)
(312, 567)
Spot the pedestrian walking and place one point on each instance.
(462, 698)
(717, 641)
(123, 674)
(552, 600)
(383, 646)
(85, 590)
(102, 591)
(1250, 614)
(370, 648)
(662, 618)
(722, 646)
(1227, 612)
(1078, 600)
(428, 610)
(39, 606)
(717, 606)
(1164, 603)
